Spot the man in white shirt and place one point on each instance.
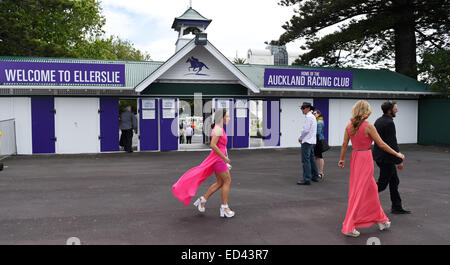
(308, 141)
(189, 132)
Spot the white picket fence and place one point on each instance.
(8, 145)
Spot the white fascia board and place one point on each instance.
(198, 81)
(232, 68)
(63, 87)
(166, 66)
(349, 91)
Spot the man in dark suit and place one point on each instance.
(128, 123)
(387, 162)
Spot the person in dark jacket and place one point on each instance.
(388, 163)
(128, 123)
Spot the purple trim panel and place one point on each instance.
(148, 129)
(228, 128)
(192, 22)
(109, 124)
(43, 125)
(241, 129)
(271, 118)
(323, 105)
(168, 139)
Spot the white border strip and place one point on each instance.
(348, 91)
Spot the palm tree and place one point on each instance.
(239, 61)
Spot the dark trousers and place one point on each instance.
(127, 140)
(388, 176)
(188, 139)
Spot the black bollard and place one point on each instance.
(1, 166)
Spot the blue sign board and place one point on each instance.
(61, 73)
(308, 78)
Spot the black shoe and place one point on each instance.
(301, 182)
(400, 211)
(316, 180)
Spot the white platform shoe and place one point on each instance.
(384, 226)
(224, 213)
(198, 204)
(355, 233)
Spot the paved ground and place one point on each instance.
(126, 199)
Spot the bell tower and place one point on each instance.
(191, 22)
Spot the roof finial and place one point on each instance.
(190, 3)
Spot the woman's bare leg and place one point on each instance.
(213, 188)
(320, 164)
(226, 178)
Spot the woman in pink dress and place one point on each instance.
(364, 209)
(217, 162)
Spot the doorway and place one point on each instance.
(123, 103)
(256, 123)
(193, 117)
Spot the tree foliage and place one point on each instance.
(238, 60)
(59, 28)
(436, 70)
(112, 48)
(367, 31)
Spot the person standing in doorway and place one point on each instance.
(181, 133)
(308, 140)
(387, 162)
(364, 208)
(217, 161)
(319, 137)
(193, 127)
(128, 123)
(189, 133)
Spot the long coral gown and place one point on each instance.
(364, 209)
(187, 185)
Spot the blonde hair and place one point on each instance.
(360, 112)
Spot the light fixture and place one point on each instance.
(201, 39)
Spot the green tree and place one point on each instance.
(60, 28)
(370, 31)
(48, 28)
(436, 70)
(112, 48)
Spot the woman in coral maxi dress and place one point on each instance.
(364, 209)
(217, 162)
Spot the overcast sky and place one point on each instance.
(237, 24)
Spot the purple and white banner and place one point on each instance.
(307, 78)
(61, 73)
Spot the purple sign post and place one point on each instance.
(308, 78)
(61, 73)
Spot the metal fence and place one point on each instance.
(8, 144)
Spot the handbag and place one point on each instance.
(324, 145)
